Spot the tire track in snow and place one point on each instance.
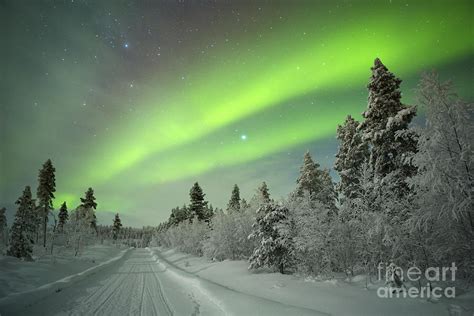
(94, 298)
(160, 289)
(112, 290)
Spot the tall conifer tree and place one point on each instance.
(45, 193)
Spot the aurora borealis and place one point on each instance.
(140, 99)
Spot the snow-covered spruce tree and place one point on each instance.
(313, 221)
(392, 145)
(89, 206)
(209, 212)
(352, 153)
(385, 128)
(3, 228)
(45, 193)
(244, 204)
(197, 207)
(23, 228)
(261, 197)
(276, 246)
(116, 226)
(309, 179)
(63, 217)
(264, 193)
(234, 202)
(445, 180)
(317, 183)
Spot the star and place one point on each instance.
(125, 45)
(243, 137)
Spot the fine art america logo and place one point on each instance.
(423, 284)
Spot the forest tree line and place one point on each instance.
(32, 232)
(405, 195)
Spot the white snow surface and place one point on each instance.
(166, 282)
(17, 276)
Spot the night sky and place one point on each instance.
(140, 99)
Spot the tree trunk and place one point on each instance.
(44, 226)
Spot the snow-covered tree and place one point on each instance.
(352, 153)
(445, 179)
(63, 217)
(264, 192)
(79, 229)
(386, 128)
(188, 237)
(3, 228)
(21, 236)
(228, 235)
(312, 220)
(276, 246)
(234, 202)
(197, 207)
(309, 180)
(178, 215)
(244, 204)
(89, 205)
(316, 182)
(45, 193)
(261, 196)
(117, 225)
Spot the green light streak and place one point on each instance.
(231, 89)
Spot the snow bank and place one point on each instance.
(228, 300)
(335, 297)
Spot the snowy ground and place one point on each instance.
(20, 276)
(155, 282)
(335, 297)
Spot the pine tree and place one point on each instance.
(45, 193)
(275, 249)
(21, 237)
(116, 226)
(385, 126)
(264, 193)
(234, 203)
(309, 176)
(210, 211)
(3, 227)
(88, 201)
(197, 207)
(244, 204)
(89, 204)
(63, 217)
(178, 215)
(316, 182)
(352, 153)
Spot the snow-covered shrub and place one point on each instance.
(276, 244)
(445, 182)
(79, 230)
(228, 238)
(186, 236)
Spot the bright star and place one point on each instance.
(243, 137)
(126, 45)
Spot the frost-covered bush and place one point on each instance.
(228, 238)
(79, 230)
(445, 160)
(276, 245)
(187, 237)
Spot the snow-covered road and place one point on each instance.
(142, 284)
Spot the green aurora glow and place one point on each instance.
(285, 84)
